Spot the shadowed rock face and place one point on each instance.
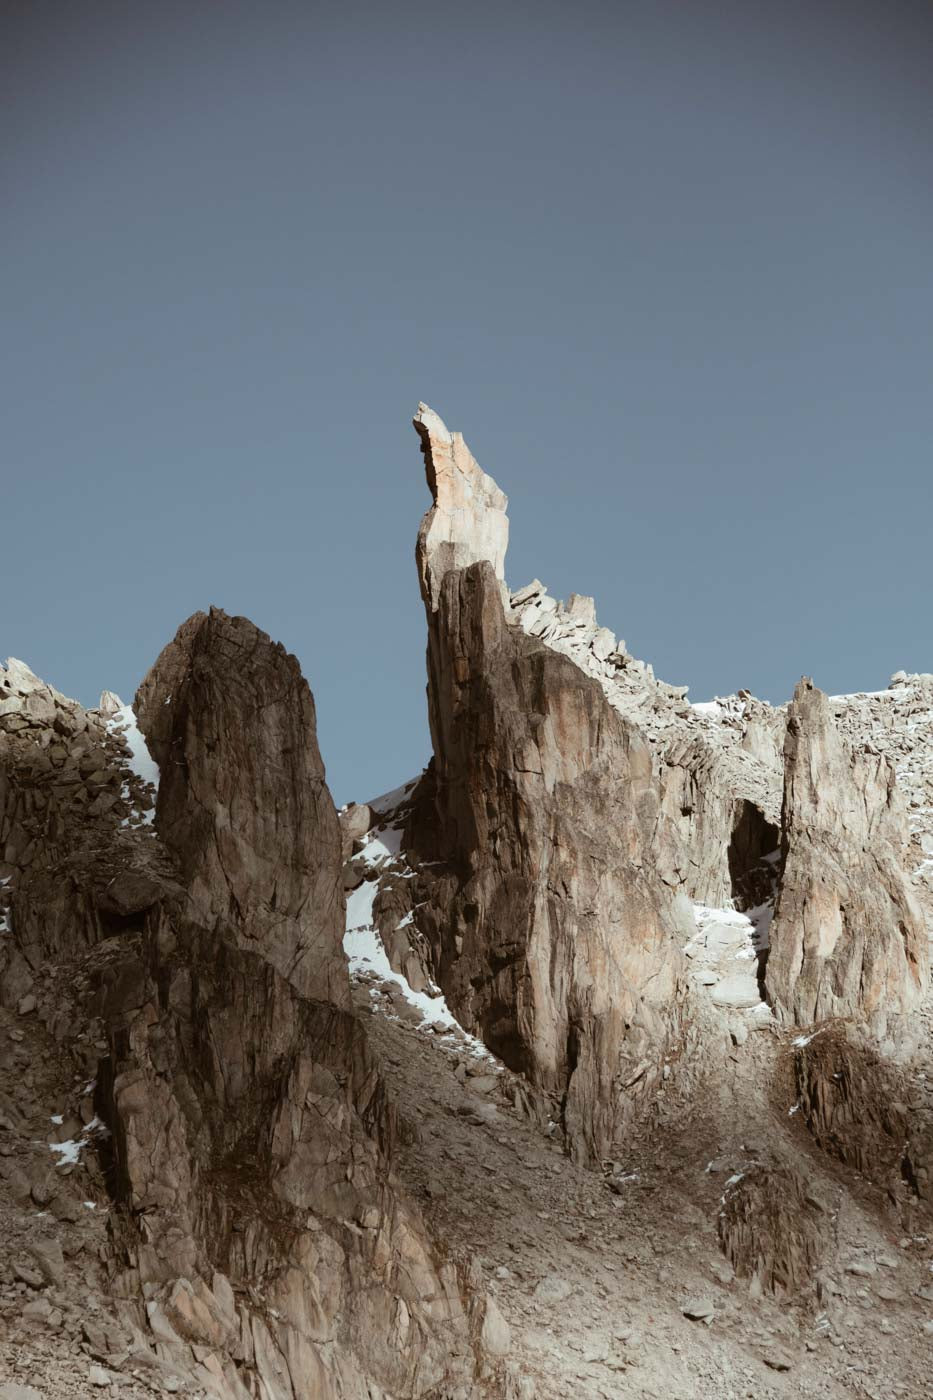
(553, 933)
(243, 804)
(848, 936)
(256, 1238)
(251, 1130)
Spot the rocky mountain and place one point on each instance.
(593, 1061)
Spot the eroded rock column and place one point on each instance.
(554, 935)
(848, 937)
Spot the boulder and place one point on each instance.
(739, 991)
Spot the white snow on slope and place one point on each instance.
(381, 846)
(141, 762)
(389, 801)
(364, 948)
(366, 954)
(723, 954)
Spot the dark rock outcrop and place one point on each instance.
(864, 1110)
(243, 804)
(773, 1229)
(257, 1245)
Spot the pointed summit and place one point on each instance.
(467, 521)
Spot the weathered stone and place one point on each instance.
(848, 936)
(699, 1309)
(530, 590)
(18, 677)
(604, 644)
(243, 803)
(581, 609)
(467, 520)
(249, 1124)
(48, 1256)
(570, 976)
(739, 991)
(556, 939)
(496, 1335)
(552, 1289)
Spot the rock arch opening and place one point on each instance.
(754, 855)
(754, 871)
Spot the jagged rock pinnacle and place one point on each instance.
(467, 521)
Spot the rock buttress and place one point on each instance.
(243, 803)
(554, 935)
(256, 1244)
(848, 936)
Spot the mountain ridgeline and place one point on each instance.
(407, 1100)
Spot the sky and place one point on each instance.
(667, 266)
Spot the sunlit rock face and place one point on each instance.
(555, 936)
(467, 521)
(848, 937)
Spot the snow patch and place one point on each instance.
(140, 762)
(69, 1153)
(366, 954)
(381, 846)
(388, 801)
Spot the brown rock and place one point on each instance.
(771, 1228)
(553, 935)
(848, 937)
(467, 521)
(242, 801)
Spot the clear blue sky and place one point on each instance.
(668, 266)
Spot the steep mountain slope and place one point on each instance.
(594, 1061)
(221, 1113)
(541, 812)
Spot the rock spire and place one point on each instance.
(467, 521)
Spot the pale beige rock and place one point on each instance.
(848, 936)
(556, 939)
(467, 520)
(110, 704)
(17, 676)
(496, 1335)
